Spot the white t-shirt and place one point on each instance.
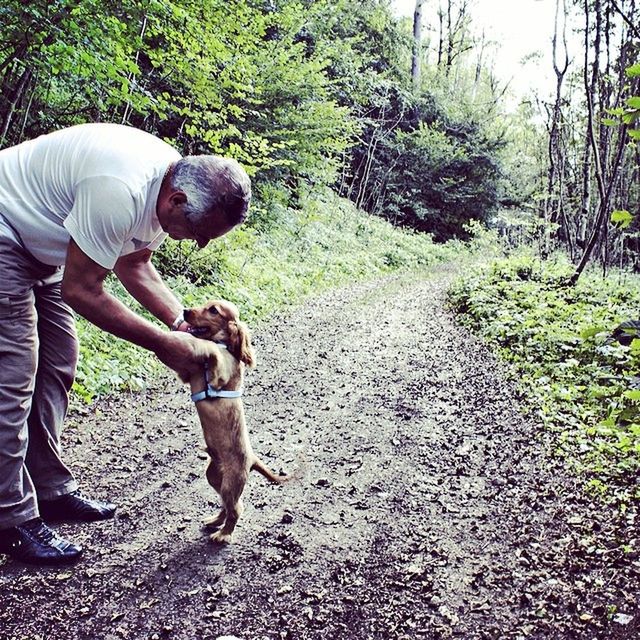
(95, 183)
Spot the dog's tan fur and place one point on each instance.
(222, 419)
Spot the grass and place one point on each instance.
(581, 383)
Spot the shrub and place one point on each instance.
(580, 381)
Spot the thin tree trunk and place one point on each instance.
(27, 110)
(19, 93)
(132, 76)
(441, 34)
(417, 45)
(604, 190)
(555, 176)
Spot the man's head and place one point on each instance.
(203, 197)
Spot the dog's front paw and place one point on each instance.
(220, 538)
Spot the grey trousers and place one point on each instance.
(38, 356)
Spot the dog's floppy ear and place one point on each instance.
(240, 343)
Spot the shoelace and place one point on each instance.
(38, 530)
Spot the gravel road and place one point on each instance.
(429, 507)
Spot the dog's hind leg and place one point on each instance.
(214, 477)
(231, 492)
(215, 522)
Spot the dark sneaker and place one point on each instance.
(75, 506)
(34, 542)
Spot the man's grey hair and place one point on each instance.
(213, 186)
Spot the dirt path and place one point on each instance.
(429, 508)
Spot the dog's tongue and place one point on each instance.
(197, 331)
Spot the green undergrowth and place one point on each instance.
(582, 383)
(285, 257)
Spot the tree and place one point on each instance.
(417, 44)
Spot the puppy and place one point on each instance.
(216, 392)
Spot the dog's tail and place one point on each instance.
(276, 478)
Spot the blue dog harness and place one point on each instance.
(211, 393)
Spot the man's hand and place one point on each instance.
(184, 353)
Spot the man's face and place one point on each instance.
(179, 226)
(213, 229)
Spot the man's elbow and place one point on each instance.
(76, 295)
(69, 294)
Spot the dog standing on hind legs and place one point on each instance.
(217, 393)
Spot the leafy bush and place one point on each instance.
(580, 381)
(417, 167)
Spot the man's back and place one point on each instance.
(66, 182)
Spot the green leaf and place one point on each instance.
(633, 71)
(633, 102)
(632, 394)
(610, 123)
(589, 332)
(634, 133)
(621, 218)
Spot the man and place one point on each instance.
(75, 205)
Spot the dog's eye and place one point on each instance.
(213, 311)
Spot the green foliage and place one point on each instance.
(232, 77)
(581, 381)
(621, 218)
(419, 168)
(62, 63)
(301, 92)
(326, 244)
(629, 114)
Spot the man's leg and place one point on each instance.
(57, 358)
(58, 495)
(18, 358)
(23, 535)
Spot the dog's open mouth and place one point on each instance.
(198, 332)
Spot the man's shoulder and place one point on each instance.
(117, 152)
(105, 138)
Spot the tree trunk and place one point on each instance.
(606, 183)
(440, 35)
(553, 204)
(417, 45)
(15, 100)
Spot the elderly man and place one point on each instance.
(75, 205)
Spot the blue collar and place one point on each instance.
(211, 393)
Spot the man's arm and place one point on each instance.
(143, 282)
(83, 290)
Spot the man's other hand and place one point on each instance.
(184, 353)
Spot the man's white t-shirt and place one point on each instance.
(96, 183)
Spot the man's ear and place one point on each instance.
(178, 198)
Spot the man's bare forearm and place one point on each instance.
(143, 282)
(83, 290)
(108, 313)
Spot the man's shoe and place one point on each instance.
(75, 506)
(34, 542)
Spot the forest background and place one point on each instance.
(375, 144)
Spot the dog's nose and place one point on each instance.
(186, 313)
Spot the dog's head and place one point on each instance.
(218, 320)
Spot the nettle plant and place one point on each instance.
(578, 367)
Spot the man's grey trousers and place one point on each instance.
(38, 355)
